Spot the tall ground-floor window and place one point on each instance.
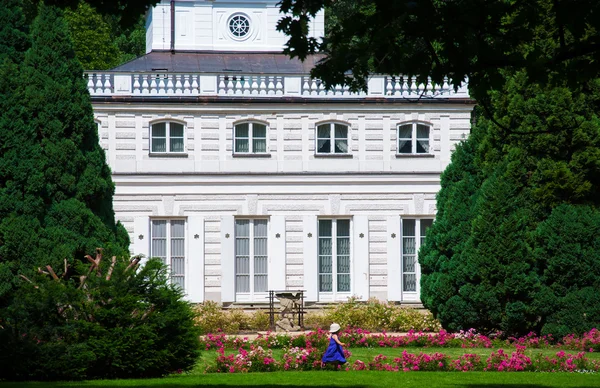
(334, 256)
(413, 236)
(251, 258)
(168, 244)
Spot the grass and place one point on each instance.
(353, 379)
(363, 379)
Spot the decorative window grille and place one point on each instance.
(332, 138)
(334, 255)
(251, 257)
(250, 138)
(413, 237)
(166, 137)
(239, 26)
(413, 138)
(168, 244)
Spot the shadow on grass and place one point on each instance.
(168, 385)
(509, 385)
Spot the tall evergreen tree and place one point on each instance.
(14, 41)
(105, 319)
(506, 258)
(55, 186)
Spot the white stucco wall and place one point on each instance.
(203, 25)
(293, 188)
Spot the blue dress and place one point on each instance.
(334, 352)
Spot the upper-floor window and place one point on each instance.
(250, 138)
(332, 138)
(413, 138)
(167, 137)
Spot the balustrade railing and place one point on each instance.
(404, 86)
(194, 84)
(250, 85)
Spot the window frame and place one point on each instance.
(335, 294)
(167, 138)
(418, 243)
(251, 137)
(168, 258)
(331, 137)
(251, 294)
(414, 139)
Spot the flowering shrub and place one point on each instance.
(259, 360)
(516, 362)
(589, 342)
(467, 362)
(531, 340)
(302, 359)
(255, 360)
(274, 341)
(304, 352)
(423, 362)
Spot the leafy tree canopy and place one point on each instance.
(100, 41)
(455, 38)
(128, 10)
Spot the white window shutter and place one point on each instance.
(310, 258)
(360, 259)
(227, 259)
(141, 246)
(195, 272)
(394, 285)
(277, 275)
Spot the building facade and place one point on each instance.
(245, 175)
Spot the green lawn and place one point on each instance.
(363, 379)
(353, 379)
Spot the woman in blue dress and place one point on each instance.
(335, 352)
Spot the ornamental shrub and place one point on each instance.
(375, 315)
(119, 322)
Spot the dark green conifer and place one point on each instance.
(55, 185)
(514, 246)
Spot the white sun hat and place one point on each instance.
(334, 328)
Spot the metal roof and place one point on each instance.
(219, 62)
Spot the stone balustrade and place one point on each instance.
(193, 84)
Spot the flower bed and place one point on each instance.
(589, 342)
(304, 352)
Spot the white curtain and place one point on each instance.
(242, 256)
(176, 137)
(242, 138)
(260, 256)
(325, 256)
(159, 137)
(422, 139)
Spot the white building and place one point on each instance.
(246, 176)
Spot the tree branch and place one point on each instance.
(112, 267)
